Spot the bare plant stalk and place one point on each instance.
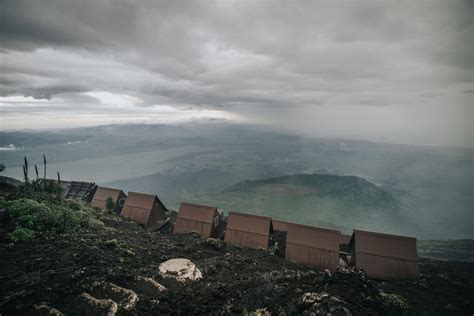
(44, 162)
(25, 170)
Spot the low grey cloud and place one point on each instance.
(262, 61)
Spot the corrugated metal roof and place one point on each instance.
(140, 200)
(102, 194)
(248, 230)
(196, 212)
(80, 190)
(250, 223)
(280, 225)
(385, 256)
(204, 219)
(313, 246)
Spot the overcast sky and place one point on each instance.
(394, 71)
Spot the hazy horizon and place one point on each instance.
(204, 122)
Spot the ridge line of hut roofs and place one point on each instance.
(381, 256)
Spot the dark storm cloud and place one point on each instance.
(246, 57)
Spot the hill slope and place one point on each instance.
(342, 202)
(349, 189)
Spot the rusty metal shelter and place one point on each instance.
(145, 209)
(102, 194)
(313, 246)
(280, 225)
(383, 256)
(247, 230)
(206, 220)
(80, 190)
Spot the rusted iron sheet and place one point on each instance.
(246, 230)
(102, 194)
(201, 218)
(145, 209)
(313, 246)
(344, 239)
(280, 225)
(383, 256)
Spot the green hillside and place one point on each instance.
(343, 202)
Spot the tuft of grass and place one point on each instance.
(92, 222)
(195, 233)
(112, 243)
(397, 301)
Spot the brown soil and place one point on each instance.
(56, 271)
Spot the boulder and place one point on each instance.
(181, 269)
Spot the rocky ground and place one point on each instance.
(112, 267)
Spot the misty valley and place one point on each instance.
(336, 183)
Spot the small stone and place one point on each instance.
(152, 283)
(323, 296)
(126, 298)
(347, 311)
(450, 307)
(46, 310)
(214, 243)
(96, 306)
(335, 299)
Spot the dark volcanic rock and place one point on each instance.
(56, 271)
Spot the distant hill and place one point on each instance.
(349, 189)
(447, 250)
(341, 202)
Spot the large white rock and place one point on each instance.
(181, 269)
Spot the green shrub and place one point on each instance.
(95, 223)
(21, 234)
(29, 214)
(41, 191)
(3, 203)
(109, 204)
(397, 302)
(40, 218)
(74, 205)
(112, 243)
